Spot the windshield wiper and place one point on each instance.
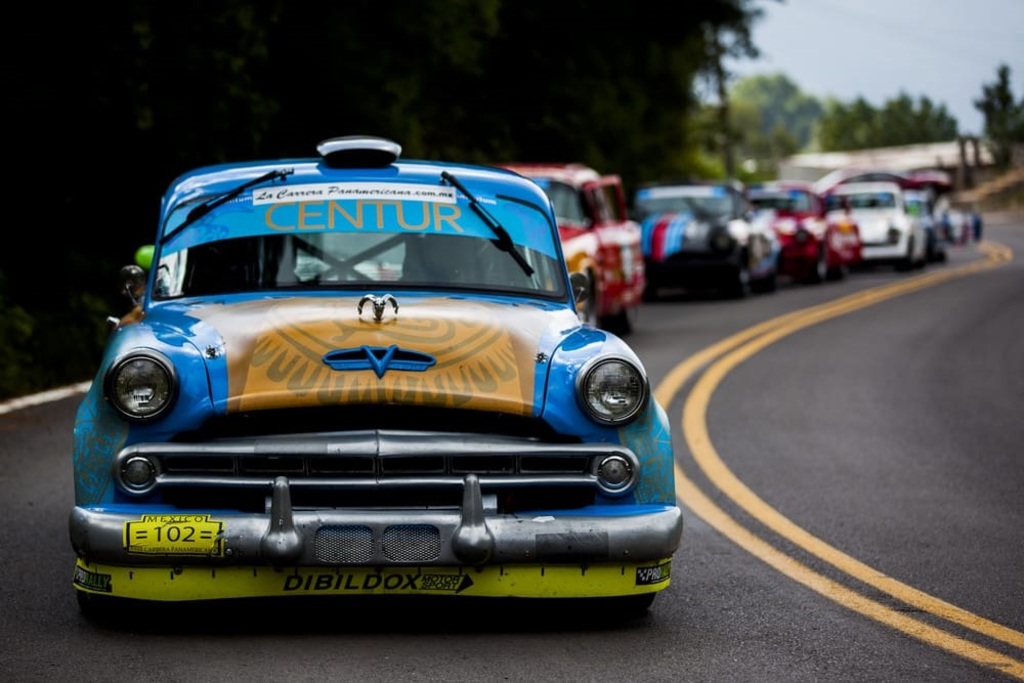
(504, 241)
(209, 205)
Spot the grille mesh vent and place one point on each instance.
(344, 544)
(354, 544)
(412, 543)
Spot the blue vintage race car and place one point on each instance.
(353, 374)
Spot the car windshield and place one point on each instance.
(565, 199)
(863, 200)
(781, 201)
(262, 243)
(703, 201)
(916, 205)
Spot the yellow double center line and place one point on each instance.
(732, 351)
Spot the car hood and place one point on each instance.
(787, 222)
(664, 234)
(874, 223)
(433, 351)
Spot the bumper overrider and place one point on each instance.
(469, 550)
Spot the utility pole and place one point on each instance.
(964, 177)
(724, 130)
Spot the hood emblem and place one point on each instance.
(379, 303)
(379, 359)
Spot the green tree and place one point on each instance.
(1004, 117)
(773, 119)
(728, 36)
(900, 121)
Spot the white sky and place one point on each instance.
(946, 50)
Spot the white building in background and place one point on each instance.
(963, 159)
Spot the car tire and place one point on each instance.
(650, 290)
(820, 271)
(101, 607)
(738, 284)
(622, 322)
(629, 606)
(588, 308)
(836, 273)
(908, 262)
(764, 285)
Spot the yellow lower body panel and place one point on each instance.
(524, 581)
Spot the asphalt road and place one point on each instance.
(851, 468)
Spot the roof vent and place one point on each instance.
(354, 151)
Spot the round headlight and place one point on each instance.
(141, 386)
(612, 390)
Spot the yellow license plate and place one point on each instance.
(174, 535)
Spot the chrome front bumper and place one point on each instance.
(472, 534)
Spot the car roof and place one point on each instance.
(939, 181)
(691, 182)
(575, 174)
(781, 186)
(217, 179)
(861, 187)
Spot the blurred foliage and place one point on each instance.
(900, 121)
(16, 328)
(1004, 117)
(775, 119)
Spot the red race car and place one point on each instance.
(598, 239)
(813, 248)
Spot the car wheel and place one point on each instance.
(765, 284)
(622, 322)
(819, 273)
(629, 606)
(738, 285)
(909, 261)
(836, 273)
(100, 607)
(587, 309)
(650, 290)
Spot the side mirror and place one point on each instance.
(133, 279)
(580, 286)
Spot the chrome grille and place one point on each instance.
(374, 469)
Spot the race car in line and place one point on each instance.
(355, 374)
(699, 235)
(813, 247)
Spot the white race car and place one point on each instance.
(889, 233)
